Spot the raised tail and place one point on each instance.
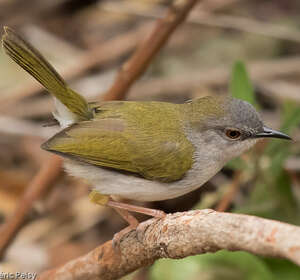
(36, 65)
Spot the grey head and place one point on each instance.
(245, 121)
(224, 127)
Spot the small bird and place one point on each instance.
(144, 151)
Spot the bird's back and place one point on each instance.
(130, 136)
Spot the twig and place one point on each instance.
(99, 55)
(45, 178)
(131, 71)
(280, 90)
(180, 235)
(216, 5)
(21, 127)
(247, 25)
(137, 64)
(229, 196)
(259, 71)
(263, 74)
(203, 16)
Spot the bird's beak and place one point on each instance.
(268, 132)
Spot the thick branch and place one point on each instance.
(180, 235)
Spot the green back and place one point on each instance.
(130, 136)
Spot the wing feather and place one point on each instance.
(116, 140)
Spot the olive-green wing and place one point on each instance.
(112, 143)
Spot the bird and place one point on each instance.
(141, 150)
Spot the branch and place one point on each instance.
(180, 235)
(45, 178)
(140, 60)
(260, 71)
(203, 16)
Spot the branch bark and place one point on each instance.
(180, 235)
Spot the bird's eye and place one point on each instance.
(233, 134)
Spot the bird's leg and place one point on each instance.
(138, 209)
(122, 209)
(105, 200)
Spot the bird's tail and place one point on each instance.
(36, 65)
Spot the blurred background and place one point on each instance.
(248, 48)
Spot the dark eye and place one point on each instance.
(233, 134)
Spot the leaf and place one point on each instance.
(222, 265)
(240, 84)
(291, 116)
(283, 269)
(280, 149)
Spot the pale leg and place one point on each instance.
(122, 209)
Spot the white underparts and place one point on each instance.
(63, 115)
(211, 154)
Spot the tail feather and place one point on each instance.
(36, 65)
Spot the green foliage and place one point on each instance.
(225, 265)
(222, 265)
(240, 85)
(282, 269)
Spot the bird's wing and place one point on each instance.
(113, 141)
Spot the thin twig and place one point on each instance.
(247, 25)
(98, 55)
(45, 178)
(21, 127)
(263, 74)
(180, 235)
(137, 64)
(231, 193)
(203, 16)
(260, 71)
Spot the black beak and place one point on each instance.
(268, 132)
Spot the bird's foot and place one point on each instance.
(116, 241)
(123, 209)
(133, 223)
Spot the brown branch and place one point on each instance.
(247, 25)
(137, 64)
(45, 178)
(260, 71)
(229, 196)
(130, 72)
(180, 235)
(101, 54)
(203, 16)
